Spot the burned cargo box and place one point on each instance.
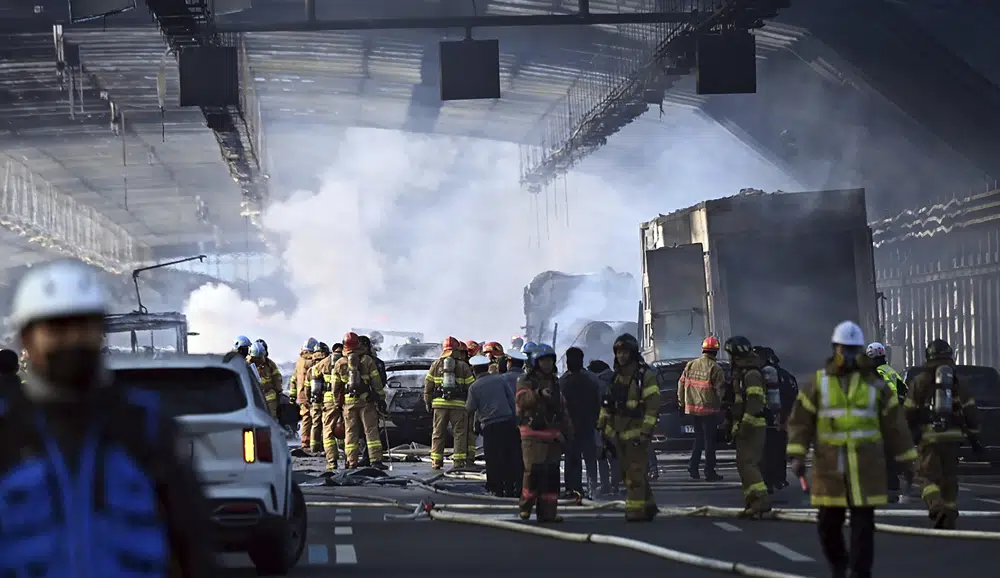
(782, 269)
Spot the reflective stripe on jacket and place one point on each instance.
(644, 396)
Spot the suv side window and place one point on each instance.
(258, 395)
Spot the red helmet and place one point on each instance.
(710, 344)
(450, 343)
(493, 348)
(351, 341)
(472, 347)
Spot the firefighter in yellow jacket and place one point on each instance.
(850, 417)
(749, 424)
(298, 388)
(270, 377)
(358, 386)
(324, 413)
(446, 388)
(545, 428)
(628, 415)
(941, 411)
(700, 390)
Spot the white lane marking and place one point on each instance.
(728, 527)
(989, 501)
(317, 554)
(343, 531)
(345, 554)
(785, 552)
(341, 518)
(566, 515)
(343, 511)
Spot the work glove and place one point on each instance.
(383, 409)
(429, 408)
(798, 466)
(906, 469)
(641, 440)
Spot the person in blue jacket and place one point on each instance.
(91, 485)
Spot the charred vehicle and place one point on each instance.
(416, 350)
(408, 420)
(149, 333)
(586, 311)
(782, 269)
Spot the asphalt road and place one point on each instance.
(360, 541)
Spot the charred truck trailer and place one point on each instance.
(781, 269)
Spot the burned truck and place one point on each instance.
(586, 310)
(781, 269)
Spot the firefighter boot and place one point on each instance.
(548, 502)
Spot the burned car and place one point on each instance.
(408, 420)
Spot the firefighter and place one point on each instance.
(749, 425)
(876, 352)
(545, 427)
(370, 349)
(498, 361)
(446, 390)
(699, 394)
(242, 345)
(358, 391)
(323, 405)
(472, 349)
(629, 411)
(847, 413)
(942, 414)
(270, 376)
(299, 385)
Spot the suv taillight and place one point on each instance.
(257, 445)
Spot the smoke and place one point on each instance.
(433, 234)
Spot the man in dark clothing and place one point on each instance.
(491, 404)
(607, 461)
(583, 403)
(782, 389)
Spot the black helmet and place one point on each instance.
(323, 348)
(766, 354)
(628, 341)
(337, 346)
(738, 346)
(939, 349)
(366, 341)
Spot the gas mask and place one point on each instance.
(943, 401)
(848, 358)
(73, 367)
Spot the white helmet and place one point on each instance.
(875, 349)
(516, 353)
(478, 360)
(59, 289)
(848, 333)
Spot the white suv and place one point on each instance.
(239, 451)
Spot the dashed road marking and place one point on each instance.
(728, 527)
(343, 531)
(785, 552)
(343, 511)
(317, 554)
(341, 518)
(565, 515)
(345, 554)
(989, 501)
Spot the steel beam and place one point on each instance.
(464, 22)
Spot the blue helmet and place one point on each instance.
(529, 348)
(258, 350)
(541, 350)
(242, 341)
(309, 345)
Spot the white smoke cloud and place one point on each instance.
(434, 234)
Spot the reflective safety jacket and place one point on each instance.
(356, 379)
(298, 385)
(891, 377)
(322, 370)
(850, 419)
(700, 388)
(639, 393)
(434, 383)
(749, 401)
(540, 417)
(97, 490)
(918, 400)
(270, 378)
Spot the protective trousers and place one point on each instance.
(271, 397)
(749, 447)
(361, 417)
(937, 468)
(459, 420)
(540, 485)
(316, 427)
(634, 463)
(305, 412)
(330, 417)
